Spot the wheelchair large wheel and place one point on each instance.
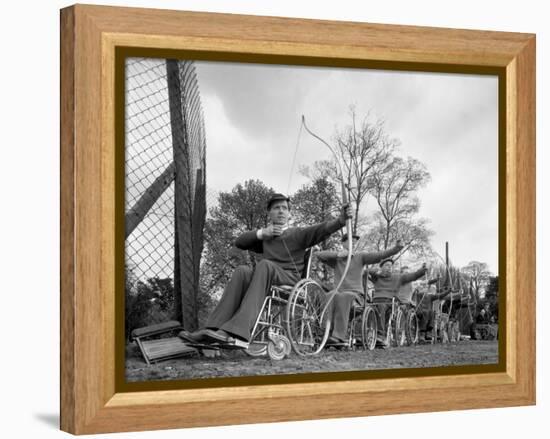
(412, 327)
(307, 327)
(368, 328)
(355, 330)
(443, 332)
(400, 328)
(454, 331)
(389, 335)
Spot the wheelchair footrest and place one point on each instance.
(158, 328)
(164, 349)
(235, 344)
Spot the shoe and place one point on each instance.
(422, 337)
(219, 336)
(192, 337)
(382, 343)
(334, 341)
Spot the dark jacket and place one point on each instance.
(387, 286)
(288, 249)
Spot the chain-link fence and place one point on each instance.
(165, 183)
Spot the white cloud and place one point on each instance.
(448, 121)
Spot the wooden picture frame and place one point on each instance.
(91, 400)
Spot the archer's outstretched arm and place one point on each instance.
(439, 296)
(433, 281)
(309, 236)
(374, 257)
(409, 277)
(327, 256)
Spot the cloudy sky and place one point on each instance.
(448, 121)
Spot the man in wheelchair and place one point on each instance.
(424, 305)
(406, 292)
(283, 250)
(386, 287)
(351, 291)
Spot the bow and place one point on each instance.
(426, 280)
(345, 201)
(449, 278)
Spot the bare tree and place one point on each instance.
(394, 186)
(322, 169)
(414, 233)
(361, 147)
(479, 275)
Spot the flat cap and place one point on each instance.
(277, 197)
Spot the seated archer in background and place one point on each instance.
(387, 286)
(351, 289)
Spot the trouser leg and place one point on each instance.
(232, 297)
(384, 310)
(341, 307)
(430, 317)
(423, 318)
(267, 273)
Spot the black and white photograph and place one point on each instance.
(286, 219)
(184, 181)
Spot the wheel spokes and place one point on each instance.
(306, 329)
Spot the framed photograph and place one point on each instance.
(270, 219)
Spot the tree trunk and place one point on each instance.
(387, 237)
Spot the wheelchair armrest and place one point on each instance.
(283, 288)
(381, 300)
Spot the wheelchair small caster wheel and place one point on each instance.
(278, 347)
(256, 349)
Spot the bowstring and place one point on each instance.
(290, 257)
(294, 158)
(298, 273)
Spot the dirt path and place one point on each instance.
(237, 363)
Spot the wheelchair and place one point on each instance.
(412, 325)
(446, 328)
(291, 319)
(402, 327)
(269, 332)
(407, 327)
(362, 327)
